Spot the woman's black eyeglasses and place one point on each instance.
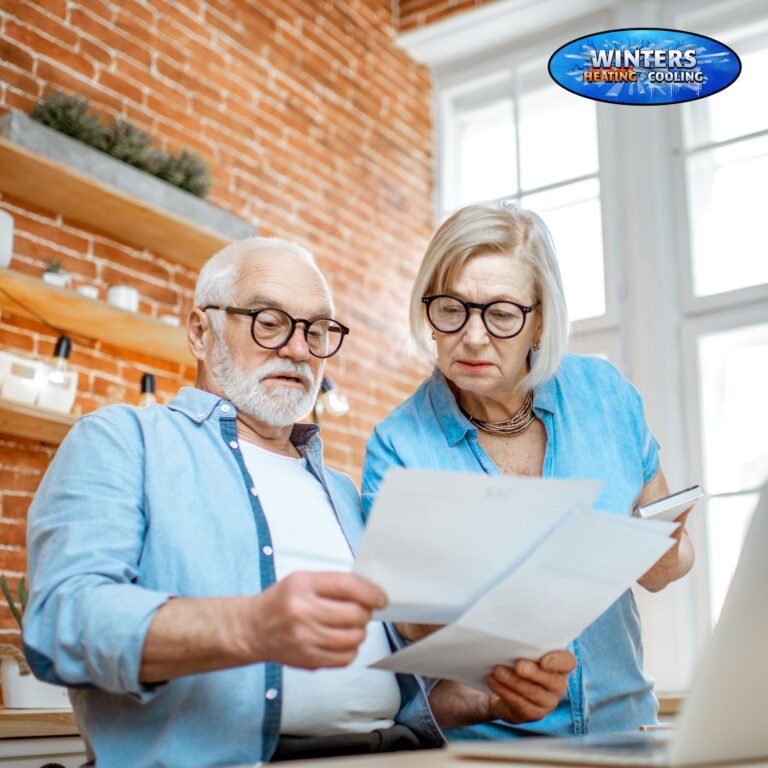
(273, 328)
(502, 319)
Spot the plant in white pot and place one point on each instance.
(54, 274)
(21, 689)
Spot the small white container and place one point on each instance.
(89, 291)
(6, 238)
(27, 692)
(21, 379)
(59, 279)
(170, 320)
(55, 394)
(124, 297)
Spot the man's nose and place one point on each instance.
(297, 347)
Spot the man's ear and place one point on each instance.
(198, 329)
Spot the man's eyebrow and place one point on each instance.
(260, 301)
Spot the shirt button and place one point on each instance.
(267, 550)
(271, 694)
(225, 408)
(233, 444)
(254, 492)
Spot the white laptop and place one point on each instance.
(724, 718)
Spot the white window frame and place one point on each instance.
(703, 315)
(646, 255)
(590, 335)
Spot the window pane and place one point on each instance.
(558, 135)
(572, 213)
(726, 215)
(732, 376)
(487, 161)
(727, 522)
(735, 111)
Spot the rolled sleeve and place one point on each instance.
(647, 445)
(88, 615)
(379, 457)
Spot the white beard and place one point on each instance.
(277, 406)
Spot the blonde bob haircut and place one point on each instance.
(495, 228)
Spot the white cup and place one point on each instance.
(89, 291)
(124, 297)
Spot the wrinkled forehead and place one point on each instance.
(285, 280)
(488, 275)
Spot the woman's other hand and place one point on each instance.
(678, 560)
(529, 690)
(523, 693)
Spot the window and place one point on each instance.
(505, 138)
(725, 161)
(726, 151)
(657, 217)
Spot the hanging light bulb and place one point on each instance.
(60, 363)
(330, 399)
(147, 391)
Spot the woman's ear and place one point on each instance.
(539, 329)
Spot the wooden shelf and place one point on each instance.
(31, 421)
(670, 704)
(66, 176)
(31, 723)
(95, 319)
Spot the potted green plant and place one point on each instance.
(21, 689)
(54, 274)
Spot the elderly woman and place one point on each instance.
(488, 308)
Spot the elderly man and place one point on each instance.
(190, 563)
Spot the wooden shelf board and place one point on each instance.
(95, 319)
(52, 185)
(31, 421)
(57, 172)
(32, 723)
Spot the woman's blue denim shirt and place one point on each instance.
(596, 429)
(138, 506)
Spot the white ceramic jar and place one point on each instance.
(124, 297)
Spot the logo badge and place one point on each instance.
(644, 66)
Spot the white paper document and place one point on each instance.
(520, 566)
(437, 541)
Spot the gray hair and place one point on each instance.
(219, 275)
(498, 228)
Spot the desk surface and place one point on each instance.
(432, 758)
(31, 723)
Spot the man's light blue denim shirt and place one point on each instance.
(596, 429)
(140, 505)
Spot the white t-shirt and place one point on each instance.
(306, 536)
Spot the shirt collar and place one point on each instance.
(455, 424)
(199, 405)
(545, 396)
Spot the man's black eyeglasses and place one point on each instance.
(502, 319)
(273, 328)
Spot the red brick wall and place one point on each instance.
(414, 14)
(317, 128)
